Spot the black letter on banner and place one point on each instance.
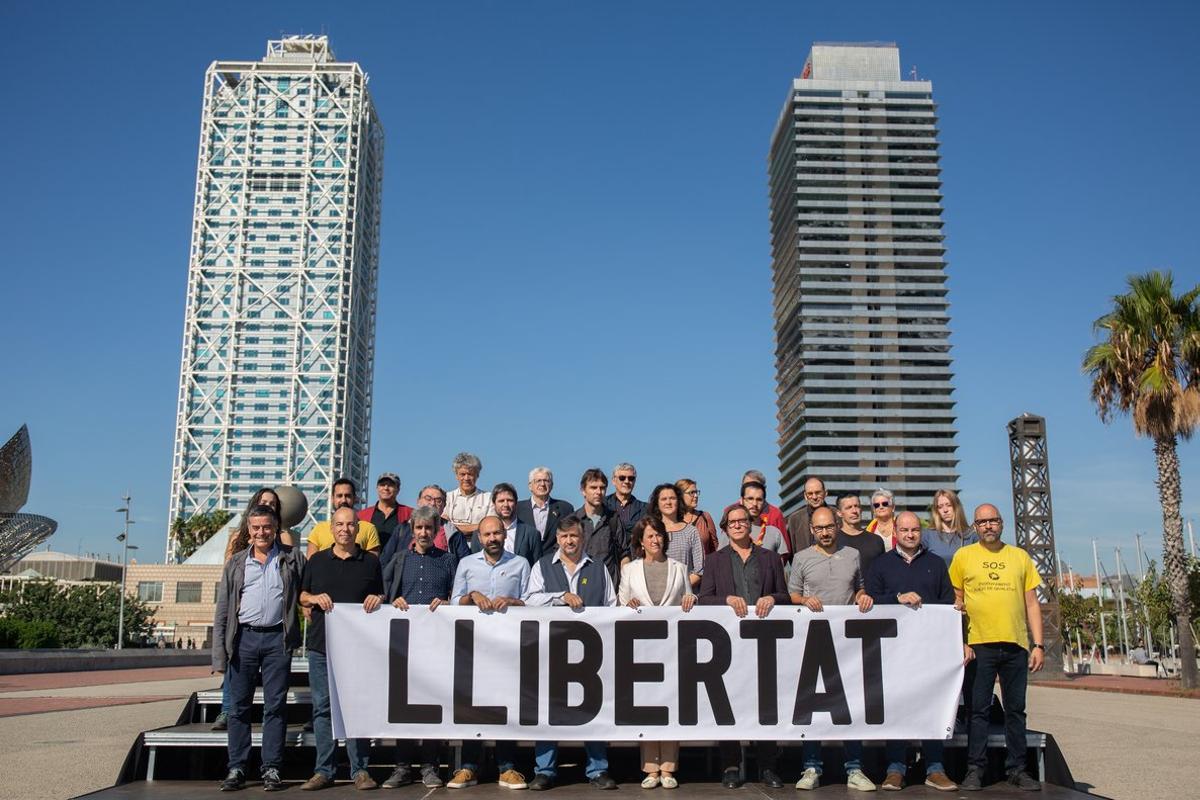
(585, 672)
(820, 660)
(628, 672)
(529, 672)
(692, 674)
(767, 632)
(465, 712)
(399, 709)
(871, 631)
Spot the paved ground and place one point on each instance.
(1123, 746)
(49, 752)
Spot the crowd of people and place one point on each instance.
(492, 550)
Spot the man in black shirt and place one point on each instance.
(852, 534)
(345, 573)
(388, 514)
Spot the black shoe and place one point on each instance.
(731, 779)
(541, 783)
(972, 781)
(1023, 780)
(221, 723)
(604, 781)
(234, 781)
(271, 781)
(768, 778)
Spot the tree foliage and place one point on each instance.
(84, 615)
(1147, 365)
(189, 534)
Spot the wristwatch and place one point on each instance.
(1039, 646)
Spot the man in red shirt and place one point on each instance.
(387, 515)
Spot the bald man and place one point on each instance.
(799, 523)
(996, 585)
(911, 575)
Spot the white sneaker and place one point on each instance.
(857, 780)
(811, 779)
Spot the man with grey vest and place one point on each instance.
(570, 577)
(255, 631)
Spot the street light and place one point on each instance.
(123, 538)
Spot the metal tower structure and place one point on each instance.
(279, 331)
(862, 338)
(1033, 521)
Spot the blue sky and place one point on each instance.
(575, 265)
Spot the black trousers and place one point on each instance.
(1010, 663)
(767, 754)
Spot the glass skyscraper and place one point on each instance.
(863, 366)
(279, 331)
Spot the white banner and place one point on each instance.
(619, 674)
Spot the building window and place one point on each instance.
(150, 591)
(187, 592)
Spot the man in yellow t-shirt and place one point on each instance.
(321, 537)
(995, 584)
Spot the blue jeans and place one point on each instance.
(1010, 663)
(812, 755)
(932, 752)
(266, 652)
(506, 752)
(545, 756)
(357, 749)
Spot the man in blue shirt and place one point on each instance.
(911, 575)
(491, 580)
(423, 575)
(255, 631)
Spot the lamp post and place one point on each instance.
(124, 540)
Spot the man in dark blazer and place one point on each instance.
(521, 538)
(542, 511)
(799, 522)
(743, 575)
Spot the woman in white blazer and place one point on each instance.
(655, 580)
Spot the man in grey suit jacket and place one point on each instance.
(541, 511)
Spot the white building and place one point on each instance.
(279, 331)
(861, 316)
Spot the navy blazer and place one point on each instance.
(717, 581)
(558, 510)
(402, 538)
(528, 544)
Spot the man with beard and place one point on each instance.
(344, 495)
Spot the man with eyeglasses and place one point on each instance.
(622, 502)
(828, 573)
(748, 579)
(541, 510)
(911, 575)
(996, 586)
(799, 522)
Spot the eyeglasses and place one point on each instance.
(882, 504)
(824, 528)
(626, 478)
(540, 480)
(692, 493)
(738, 522)
(982, 523)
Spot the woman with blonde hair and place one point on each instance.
(655, 580)
(950, 531)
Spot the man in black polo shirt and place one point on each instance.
(344, 573)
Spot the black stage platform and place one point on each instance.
(577, 791)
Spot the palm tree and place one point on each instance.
(1149, 368)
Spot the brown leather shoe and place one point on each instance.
(894, 782)
(317, 781)
(939, 781)
(363, 780)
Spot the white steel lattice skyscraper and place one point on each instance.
(279, 335)
(862, 335)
